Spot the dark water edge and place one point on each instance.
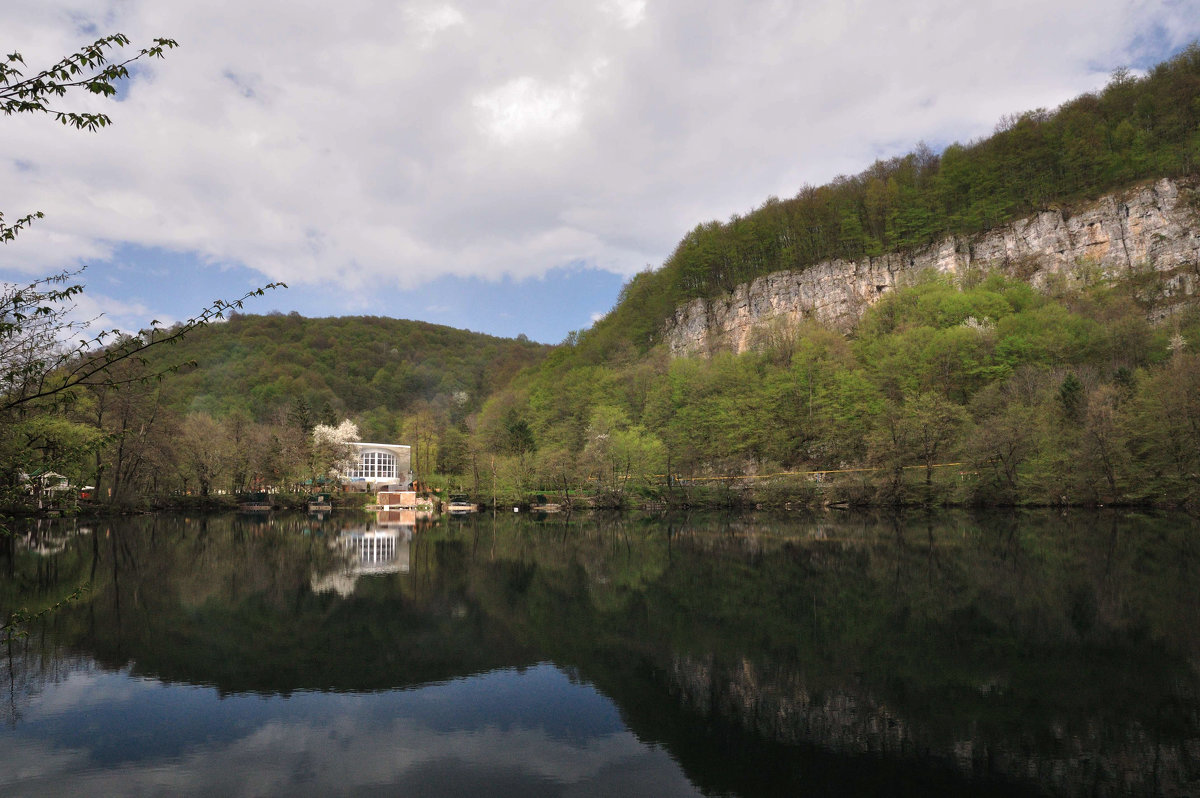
(832, 653)
(862, 497)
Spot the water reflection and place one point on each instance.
(45, 536)
(743, 655)
(329, 744)
(378, 546)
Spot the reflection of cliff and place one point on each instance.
(1040, 651)
(1123, 758)
(782, 709)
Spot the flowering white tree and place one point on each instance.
(332, 453)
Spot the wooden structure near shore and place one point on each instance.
(402, 500)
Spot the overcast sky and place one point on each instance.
(498, 166)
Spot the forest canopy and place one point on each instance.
(350, 366)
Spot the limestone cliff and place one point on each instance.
(1151, 232)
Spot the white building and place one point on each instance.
(381, 466)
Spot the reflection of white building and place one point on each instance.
(46, 537)
(379, 550)
(368, 551)
(379, 466)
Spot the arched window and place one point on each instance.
(375, 465)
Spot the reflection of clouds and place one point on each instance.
(343, 755)
(354, 748)
(29, 764)
(80, 690)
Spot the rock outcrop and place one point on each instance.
(1151, 233)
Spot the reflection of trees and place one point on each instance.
(226, 601)
(1007, 646)
(998, 645)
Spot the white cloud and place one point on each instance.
(389, 145)
(629, 13)
(101, 312)
(527, 108)
(432, 20)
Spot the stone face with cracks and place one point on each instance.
(1150, 232)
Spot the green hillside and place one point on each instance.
(232, 405)
(979, 391)
(370, 368)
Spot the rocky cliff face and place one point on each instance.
(1151, 233)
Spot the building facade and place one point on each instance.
(381, 466)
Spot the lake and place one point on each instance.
(748, 655)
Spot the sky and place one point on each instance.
(499, 167)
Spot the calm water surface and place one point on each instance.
(1038, 653)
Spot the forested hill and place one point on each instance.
(367, 367)
(972, 387)
(1135, 129)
